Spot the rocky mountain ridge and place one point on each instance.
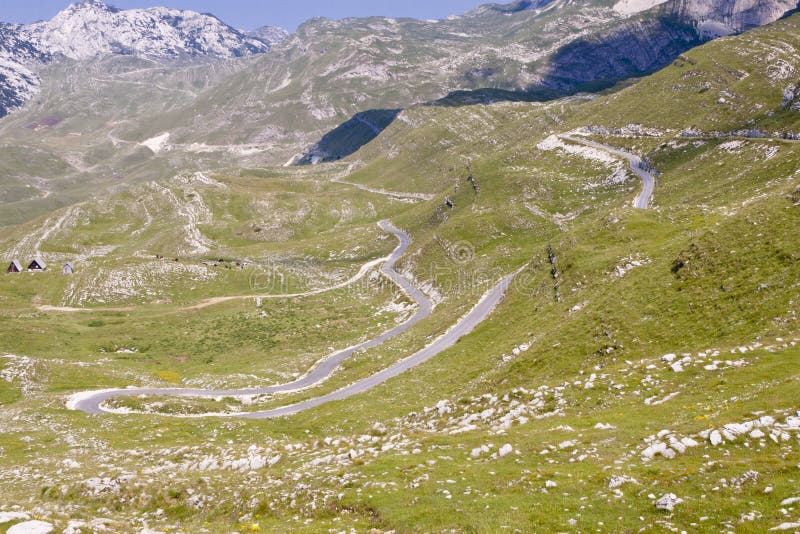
(18, 82)
(652, 34)
(329, 88)
(716, 18)
(91, 28)
(559, 46)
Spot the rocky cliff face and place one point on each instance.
(630, 49)
(713, 18)
(653, 37)
(514, 7)
(18, 82)
(271, 35)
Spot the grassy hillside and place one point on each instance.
(637, 355)
(120, 121)
(727, 85)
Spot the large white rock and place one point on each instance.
(604, 426)
(5, 517)
(786, 526)
(668, 502)
(505, 450)
(618, 480)
(31, 527)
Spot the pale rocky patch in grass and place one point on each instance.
(629, 263)
(148, 282)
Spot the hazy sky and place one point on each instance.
(248, 14)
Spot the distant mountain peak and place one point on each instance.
(87, 29)
(514, 7)
(92, 28)
(88, 5)
(271, 34)
(92, 3)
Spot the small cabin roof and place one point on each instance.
(37, 263)
(15, 263)
(69, 265)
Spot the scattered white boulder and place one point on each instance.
(786, 526)
(6, 517)
(715, 438)
(505, 450)
(668, 502)
(31, 527)
(689, 442)
(747, 477)
(70, 464)
(619, 480)
(656, 448)
(604, 426)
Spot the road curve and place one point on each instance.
(391, 194)
(642, 201)
(91, 402)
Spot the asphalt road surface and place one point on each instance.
(642, 201)
(91, 402)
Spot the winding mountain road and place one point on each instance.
(642, 200)
(392, 194)
(92, 402)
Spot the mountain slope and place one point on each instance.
(330, 71)
(18, 82)
(640, 373)
(312, 98)
(529, 46)
(272, 35)
(654, 34)
(91, 29)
